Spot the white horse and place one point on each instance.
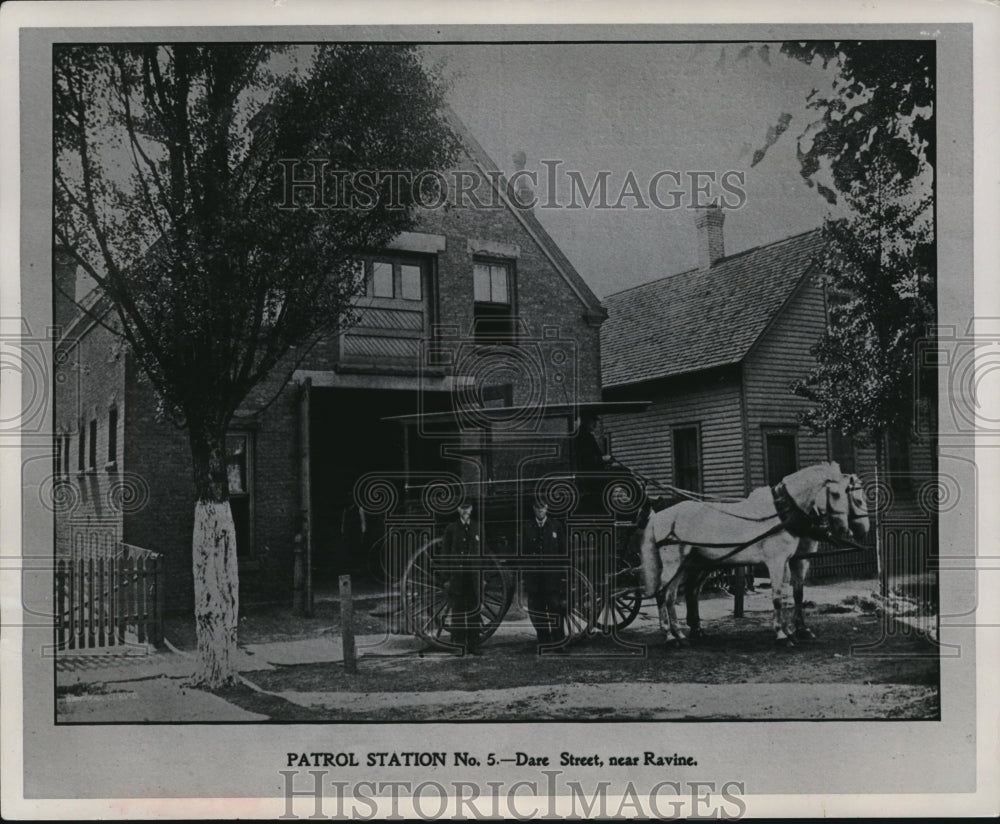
(693, 536)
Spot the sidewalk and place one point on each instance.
(143, 684)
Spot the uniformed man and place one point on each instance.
(545, 588)
(591, 465)
(463, 538)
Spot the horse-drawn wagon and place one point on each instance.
(615, 550)
(504, 459)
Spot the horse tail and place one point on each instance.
(652, 566)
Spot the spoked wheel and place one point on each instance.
(581, 606)
(428, 604)
(619, 599)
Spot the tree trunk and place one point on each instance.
(216, 578)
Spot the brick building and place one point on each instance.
(717, 349)
(465, 276)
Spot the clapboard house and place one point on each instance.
(717, 348)
(307, 434)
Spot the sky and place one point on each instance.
(643, 108)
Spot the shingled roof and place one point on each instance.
(701, 319)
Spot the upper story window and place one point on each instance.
(395, 312)
(394, 279)
(493, 293)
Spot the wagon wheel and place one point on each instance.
(428, 606)
(581, 606)
(619, 599)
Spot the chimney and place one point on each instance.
(711, 243)
(524, 192)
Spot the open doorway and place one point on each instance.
(349, 438)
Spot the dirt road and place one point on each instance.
(857, 668)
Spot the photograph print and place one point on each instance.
(525, 381)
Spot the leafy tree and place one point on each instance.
(169, 194)
(878, 268)
(874, 143)
(879, 111)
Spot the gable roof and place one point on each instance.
(701, 319)
(526, 217)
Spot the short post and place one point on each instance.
(740, 587)
(347, 625)
(160, 596)
(298, 577)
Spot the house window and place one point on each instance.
(92, 452)
(842, 450)
(395, 310)
(410, 282)
(687, 458)
(402, 281)
(81, 451)
(382, 280)
(493, 295)
(113, 434)
(239, 471)
(780, 454)
(897, 454)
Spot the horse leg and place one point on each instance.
(672, 572)
(798, 569)
(670, 608)
(692, 589)
(777, 567)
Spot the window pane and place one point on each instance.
(236, 464)
(113, 434)
(842, 450)
(410, 286)
(382, 279)
(781, 459)
(239, 472)
(687, 461)
(498, 279)
(481, 274)
(358, 273)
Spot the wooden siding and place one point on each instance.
(644, 441)
(780, 357)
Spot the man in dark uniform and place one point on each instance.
(463, 538)
(545, 589)
(591, 462)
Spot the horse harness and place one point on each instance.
(791, 519)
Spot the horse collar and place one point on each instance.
(797, 522)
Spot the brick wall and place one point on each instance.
(89, 384)
(159, 453)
